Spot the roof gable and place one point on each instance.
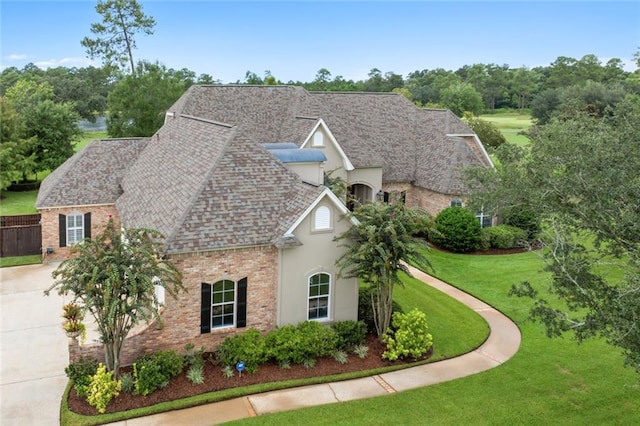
(346, 163)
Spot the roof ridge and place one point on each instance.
(205, 120)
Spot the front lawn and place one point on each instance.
(549, 381)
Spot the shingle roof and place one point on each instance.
(91, 176)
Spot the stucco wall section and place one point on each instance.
(51, 231)
(181, 316)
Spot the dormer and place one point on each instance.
(306, 163)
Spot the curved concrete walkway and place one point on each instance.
(503, 342)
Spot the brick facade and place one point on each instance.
(181, 316)
(433, 202)
(51, 231)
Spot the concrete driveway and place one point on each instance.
(33, 351)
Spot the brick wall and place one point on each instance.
(181, 316)
(50, 226)
(433, 202)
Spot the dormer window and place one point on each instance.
(322, 220)
(318, 138)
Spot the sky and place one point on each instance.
(295, 39)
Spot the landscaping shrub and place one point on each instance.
(80, 373)
(457, 230)
(350, 333)
(154, 371)
(408, 337)
(420, 223)
(301, 344)
(102, 389)
(503, 237)
(248, 347)
(526, 219)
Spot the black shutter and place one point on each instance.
(62, 227)
(241, 316)
(205, 308)
(87, 225)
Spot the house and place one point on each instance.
(235, 181)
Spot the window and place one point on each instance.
(319, 288)
(74, 228)
(485, 220)
(322, 219)
(456, 203)
(223, 304)
(318, 138)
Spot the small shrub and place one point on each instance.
(408, 337)
(227, 371)
(195, 374)
(309, 363)
(194, 357)
(340, 356)
(420, 222)
(154, 371)
(309, 340)
(361, 351)
(525, 218)
(128, 382)
(285, 365)
(350, 333)
(102, 389)
(80, 373)
(503, 237)
(248, 347)
(457, 230)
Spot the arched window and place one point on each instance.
(318, 138)
(319, 290)
(322, 219)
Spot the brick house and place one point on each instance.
(235, 181)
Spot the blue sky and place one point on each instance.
(295, 39)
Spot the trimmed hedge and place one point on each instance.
(457, 230)
(503, 237)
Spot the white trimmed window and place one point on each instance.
(75, 228)
(223, 301)
(456, 203)
(322, 220)
(319, 290)
(318, 138)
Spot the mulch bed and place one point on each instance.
(180, 387)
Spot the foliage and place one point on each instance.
(581, 177)
(525, 218)
(128, 383)
(340, 356)
(376, 250)
(16, 156)
(461, 98)
(227, 371)
(114, 276)
(457, 230)
(409, 336)
(154, 371)
(336, 184)
(365, 308)
(248, 347)
(195, 374)
(349, 333)
(486, 131)
(102, 389)
(419, 222)
(139, 101)
(503, 237)
(361, 351)
(80, 373)
(114, 42)
(300, 344)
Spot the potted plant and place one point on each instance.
(73, 325)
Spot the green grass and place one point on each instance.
(6, 262)
(455, 328)
(549, 381)
(15, 203)
(88, 137)
(511, 124)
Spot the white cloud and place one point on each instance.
(17, 57)
(65, 62)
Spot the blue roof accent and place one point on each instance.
(299, 155)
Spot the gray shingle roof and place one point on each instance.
(206, 181)
(91, 176)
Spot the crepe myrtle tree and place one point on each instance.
(114, 277)
(378, 248)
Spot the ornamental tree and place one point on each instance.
(114, 277)
(377, 250)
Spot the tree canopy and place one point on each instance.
(114, 276)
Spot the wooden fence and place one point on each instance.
(20, 235)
